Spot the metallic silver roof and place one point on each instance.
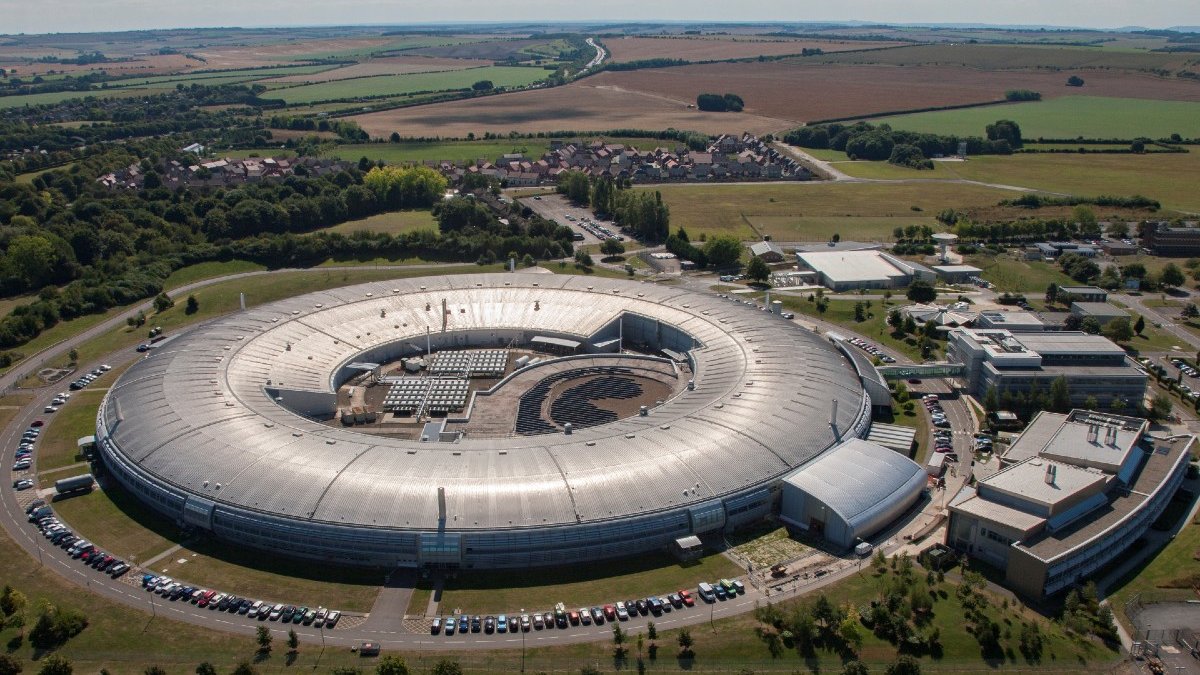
(195, 415)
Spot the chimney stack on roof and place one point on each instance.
(1051, 474)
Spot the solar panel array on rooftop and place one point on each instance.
(474, 363)
(424, 395)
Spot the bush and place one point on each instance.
(55, 626)
(910, 156)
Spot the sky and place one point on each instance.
(45, 16)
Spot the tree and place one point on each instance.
(910, 325)
(193, 305)
(1117, 229)
(1074, 81)
(757, 270)
(991, 400)
(855, 668)
(263, 637)
(293, 641)
(1060, 395)
(723, 250)
(612, 247)
(1139, 325)
(1090, 325)
(1171, 276)
(9, 665)
(1189, 311)
(12, 601)
(391, 665)
(1119, 330)
(1004, 130)
(1138, 146)
(154, 670)
(896, 320)
(56, 665)
(483, 85)
(244, 668)
(1086, 219)
(685, 642)
(860, 312)
(921, 292)
(1052, 293)
(73, 355)
(904, 665)
(446, 667)
(206, 668)
(163, 302)
(619, 637)
(651, 631)
(1160, 406)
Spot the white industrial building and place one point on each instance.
(851, 492)
(852, 270)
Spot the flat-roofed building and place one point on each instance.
(1074, 492)
(956, 274)
(1102, 312)
(1092, 365)
(852, 270)
(1163, 239)
(1082, 294)
(1014, 322)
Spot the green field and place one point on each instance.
(1066, 117)
(816, 211)
(60, 96)
(391, 85)
(454, 151)
(1019, 276)
(193, 273)
(1009, 57)
(116, 521)
(76, 419)
(214, 77)
(1169, 178)
(397, 222)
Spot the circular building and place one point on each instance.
(238, 426)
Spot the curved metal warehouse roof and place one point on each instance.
(194, 413)
(860, 481)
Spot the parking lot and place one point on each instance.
(556, 207)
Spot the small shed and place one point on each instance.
(688, 548)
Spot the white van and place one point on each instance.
(706, 592)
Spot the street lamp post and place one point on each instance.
(522, 629)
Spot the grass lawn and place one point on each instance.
(841, 312)
(816, 211)
(1019, 276)
(116, 521)
(1065, 117)
(27, 178)
(482, 592)
(1165, 177)
(385, 85)
(10, 404)
(887, 171)
(246, 572)
(397, 222)
(208, 270)
(56, 447)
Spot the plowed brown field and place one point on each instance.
(795, 91)
(581, 106)
(713, 49)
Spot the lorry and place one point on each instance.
(79, 483)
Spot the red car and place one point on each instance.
(610, 612)
(37, 423)
(687, 598)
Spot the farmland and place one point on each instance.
(501, 76)
(816, 211)
(400, 65)
(218, 76)
(799, 91)
(1013, 57)
(397, 222)
(1168, 178)
(582, 106)
(1066, 117)
(60, 96)
(691, 48)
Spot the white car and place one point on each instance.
(50, 409)
(104, 368)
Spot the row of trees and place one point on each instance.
(642, 212)
(865, 141)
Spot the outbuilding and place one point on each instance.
(851, 492)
